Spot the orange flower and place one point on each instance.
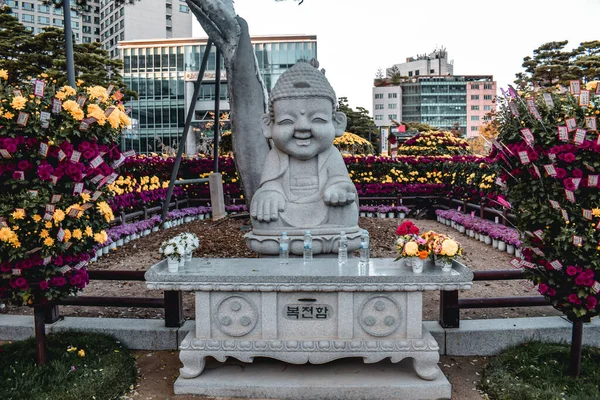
(423, 254)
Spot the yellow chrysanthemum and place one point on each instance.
(48, 224)
(48, 241)
(114, 119)
(44, 234)
(101, 237)
(4, 74)
(105, 210)
(449, 248)
(58, 215)
(77, 234)
(88, 231)
(18, 214)
(73, 108)
(36, 218)
(411, 249)
(596, 212)
(95, 111)
(85, 197)
(81, 353)
(9, 115)
(18, 102)
(97, 92)
(6, 234)
(79, 82)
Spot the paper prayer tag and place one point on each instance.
(557, 265)
(571, 124)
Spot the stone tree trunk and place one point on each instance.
(247, 92)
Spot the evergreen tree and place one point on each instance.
(359, 122)
(25, 55)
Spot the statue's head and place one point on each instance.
(303, 119)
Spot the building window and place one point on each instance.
(488, 86)
(474, 86)
(379, 106)
(75, 25)
(43, 20)
(487, 96)
(474, 117)
(417, 72)
(474, 128)
(392, 95)
(122, 36)
(378, 117)
(43, 9)
(86, 18)
(87, 39)
(379, 95)
(57, 11)
(122, 11)
(487, 118)
(29, 28)
(86, 29)
(474, 108)
(27, 6)
(393, 116)
(432, 71)
(184, 9)
(487, 108)
(410, 73)
(26, 17)
(392, 106)
(12, 3)
(474, 97)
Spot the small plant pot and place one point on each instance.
(476, 235)
(510, 249)
(461, 229)
(391, 215)
(363, 214)
(155, 228)
(402, 215)
(370, 215)
(146, 232)
(495, 243)
(201, 216)
(172, 264)
(416, 264)
(112, 246)
(448, 222)
(188, 257)
(99, 253)
(518, 252)
(127, 238)
(182, 261)
(104, 250)
(381, 215)
(501, 245)
(120, 242)
(446, 266)
(471, 233)
(487, 239)
(187, 219)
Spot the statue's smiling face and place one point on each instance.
(303, 127)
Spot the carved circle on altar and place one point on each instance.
(236, 316)
(380, 316)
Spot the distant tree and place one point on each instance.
(359, 122)
(379, 78)
(551, 64)
(481, 144)
(395, 76)
(26, 55)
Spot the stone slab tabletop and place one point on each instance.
(267, 274)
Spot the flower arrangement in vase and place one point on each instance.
(174, 250)
(443, 248)
(190, 243)
(411, 247)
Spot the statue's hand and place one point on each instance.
(340, 194)
(266, 205)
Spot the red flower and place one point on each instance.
(591, 302)
(574, 299)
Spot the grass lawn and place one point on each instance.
(79, 366)
(539, 371)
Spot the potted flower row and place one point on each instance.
(414, 249)
(384, 211)
(178, 250)
(184, 215)
(498, 236)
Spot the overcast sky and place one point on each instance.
(356, 37)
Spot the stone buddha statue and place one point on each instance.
(304, 183)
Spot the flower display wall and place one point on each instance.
(57, 153)
(549, 161)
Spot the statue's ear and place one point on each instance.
(339, 122)
(266, 125)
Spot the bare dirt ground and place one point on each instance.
(224, 239)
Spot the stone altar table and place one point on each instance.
(307, 313)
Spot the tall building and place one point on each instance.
(109, 23)
(163, 73)
(437, 98)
